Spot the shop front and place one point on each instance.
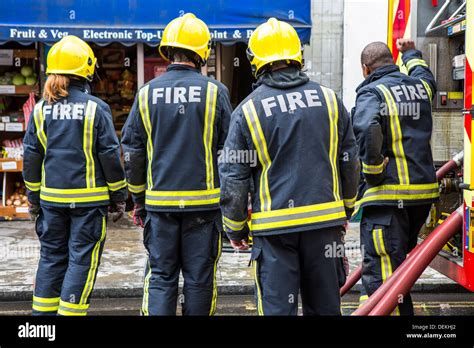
(124, 35)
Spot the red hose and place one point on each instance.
(418, 263)
(452, 164)
(449, 166)
(351, 280)
(372, 301)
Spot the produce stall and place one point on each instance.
(117, 82)
(19, 87)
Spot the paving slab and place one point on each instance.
(121, 270)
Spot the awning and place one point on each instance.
(131, 21)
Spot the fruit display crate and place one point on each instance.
(18, 90)
(11, 165)
(13, 205)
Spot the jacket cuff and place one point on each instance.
(237, 236)
(33, 197)
(118, 195)
(139, 198)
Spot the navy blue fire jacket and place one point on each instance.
(171, 139)
(71, 152)
(307, 168)
(392, 119)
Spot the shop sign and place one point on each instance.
(108, 35)
(6, 57)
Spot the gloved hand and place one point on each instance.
(34, 210)
(116, 210)
(139, 215)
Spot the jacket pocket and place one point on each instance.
(379, 228)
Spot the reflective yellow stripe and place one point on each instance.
(214, 282)
(136, 188)
(262, 152)
(70, 312)
(46, 299)
(93, 266)
(333, 112)
(42, 304)
(74, 195)
(396, 132)
(290, 217)
(73, 305)
(385, 261)
(42, 308)
(39, 122)
(182, 198)
(399, 192)
(428, 89)
(210, 112)
(145, 290)
(257, 285)
(145, 115)
(233, 225)
(87, 143)
(33, 186)
(350, 202)
(115, 186)
(373, 169)
(415, 62)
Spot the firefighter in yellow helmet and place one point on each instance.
(171, 141)
(305, 181)
(72, 171)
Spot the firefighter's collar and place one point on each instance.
(181, 67)
(81, 85)
(378, 74)
(283, 78)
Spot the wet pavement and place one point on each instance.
(121, 272)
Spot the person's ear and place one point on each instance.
(365, 70)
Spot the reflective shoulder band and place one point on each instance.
(396, 135)
(260, 144)
(209, 114)
(39, 123)
(333, 113)
(88, 143)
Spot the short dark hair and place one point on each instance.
(177, 54)
(375, 55)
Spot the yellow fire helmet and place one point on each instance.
(187, 32)
(71, 56)
(272, 41)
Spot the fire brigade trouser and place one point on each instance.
(71, 241)
(387, 235)
(187, 241)
(309, 261)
